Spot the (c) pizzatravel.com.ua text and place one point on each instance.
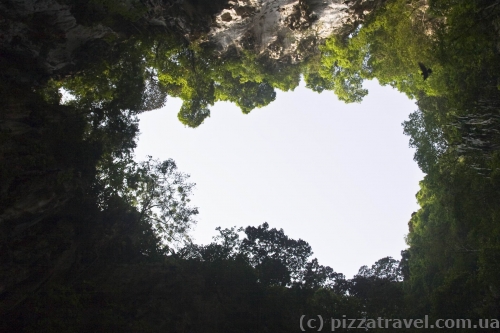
(318, 323)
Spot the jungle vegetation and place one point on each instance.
(94, 241)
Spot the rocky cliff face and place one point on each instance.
(46, 36)
(285, 29)
(43, 34)
(278, 29)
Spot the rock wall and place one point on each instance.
(42, 35)
(285, 29)
(41, 39)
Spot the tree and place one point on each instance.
(159, 193)
(318, 276)
(247, 96)
(193, 113)
(386, 268)
(278, 258)
(426, 133)
(225, 246)
(342, 68)
(379, 289)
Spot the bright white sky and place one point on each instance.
(340, 177)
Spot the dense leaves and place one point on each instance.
(93, 240)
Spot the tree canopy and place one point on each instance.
(96, 241)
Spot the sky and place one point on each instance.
(339, 176)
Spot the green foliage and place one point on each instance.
(453, 236)
(425, 132)
(88, 232)
(342, 67)
(454, 132)
(159, 193)
(390, 45)
(193, 113)
(278, 259)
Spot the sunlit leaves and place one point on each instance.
(342, 68)
(159, 193)
(163, 198)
